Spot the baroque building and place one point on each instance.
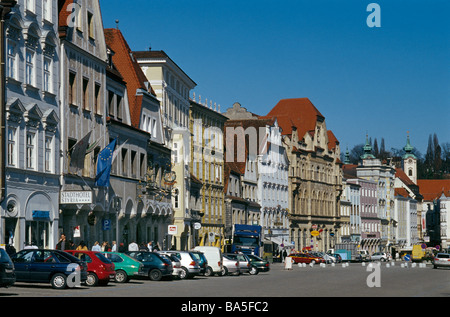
(30, 211)
(206, 126)
(315, 175)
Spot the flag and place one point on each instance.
(117, 151)
(104, 162)
(79, 152)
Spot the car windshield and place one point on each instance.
(246, 241)
(254, 257)
(4, 257)
(443, 256)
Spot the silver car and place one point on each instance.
(244, 261)
(230, 266)
(441, 259)
(176, 263)
(189, 266)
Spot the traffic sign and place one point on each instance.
(172, 229)
(407, 257)
(315, 233)
(424, 246)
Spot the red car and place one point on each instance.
(306, 258)
(100, 269)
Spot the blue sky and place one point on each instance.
(382, 81)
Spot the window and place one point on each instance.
(11, 146)
(86, 94)
(29, 71)
(48, 154)
(90, 20)
(124, 162)
(119, 108)
(30, 150)
(111, 104)
(133, 164)
(47, 75)
(47, 7)
(30, 5)
(97, 102)
(11, 60)
(72, 88)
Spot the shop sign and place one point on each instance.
(172, 230)
(315, 233)
(76, 197)
(39, 214)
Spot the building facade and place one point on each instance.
(30, 211)
(83, 63)
(315, 175)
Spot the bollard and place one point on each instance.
(387, 265)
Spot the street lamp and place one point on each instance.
(5, 9)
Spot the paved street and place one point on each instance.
(337, 281)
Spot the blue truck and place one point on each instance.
(247, 239)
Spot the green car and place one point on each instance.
(258, 263)
(125, 266)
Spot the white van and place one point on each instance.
(214, 257)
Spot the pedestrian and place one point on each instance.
(150, 246)
(143, 247)
(133, 246)
(82, 246)
(122, 247)
(97, 247)
(71, 245)
(114, 246)
(156, 247)
(284, 255)
(61, 245)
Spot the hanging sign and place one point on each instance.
(315, 233)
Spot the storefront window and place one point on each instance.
(37, 233)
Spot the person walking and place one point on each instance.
(150, 246)
(133, 246)
(114, 246)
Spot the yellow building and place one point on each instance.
(206, 125)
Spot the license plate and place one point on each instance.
(8, 271)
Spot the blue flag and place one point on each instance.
(104, 162)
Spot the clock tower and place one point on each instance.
(410, 161)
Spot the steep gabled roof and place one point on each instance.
(130, 70)
(299, 113)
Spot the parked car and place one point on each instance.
(441, 260)
(230, 266)
(100, 269)
(214, 257)
(201, 259)
(189, 266)
(176, 263)
(155, 266)
(260, 264)
(379, 256)
(244, 262)
(7, 273)
(125, 266)
(306, 258)
(58, 268)
(327, 257)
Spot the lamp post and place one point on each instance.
(5, 9)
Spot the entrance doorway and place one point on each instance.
(37, 233)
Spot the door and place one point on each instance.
(22, 264)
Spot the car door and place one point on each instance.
(43, 265)
(22, 264)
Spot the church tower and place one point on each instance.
(410, 161)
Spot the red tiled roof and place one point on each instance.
(433, 188)
(299, 113)
(332, 140)
(400, 191)
(130, 70)
(399, 173)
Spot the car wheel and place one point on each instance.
(121, 276)
(253, 271)
(183, 273)
(224, 271)
(209, 271)
(92, 279)
(155, 275)
(59, 281)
